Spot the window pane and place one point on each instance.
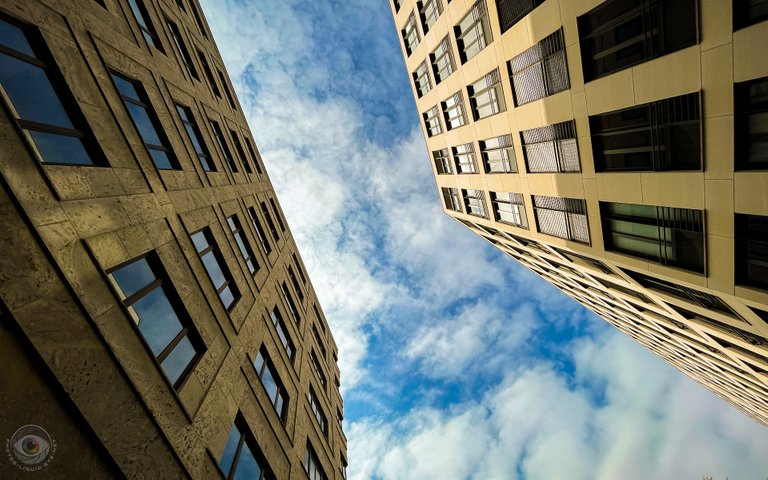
(178, 360)
(201, 243)
(229, 450)
(227, 297)
(157, 320)
(60, 148)
(247, 466)
(214, 270)
(131, 278)
(161, 159)
(125, 87)
(143, 124)
(31, 92)
(13, 37)
(269, 383)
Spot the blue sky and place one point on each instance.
(456, 361)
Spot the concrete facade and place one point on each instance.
(84, 365)
(705, 319)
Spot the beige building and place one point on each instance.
(619, 149)
(156, 318)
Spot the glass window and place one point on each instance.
(751, 124)
(270, 223)
(242, 459)
(198, 18)
(657, 136)
(318, 369)
(155, 309)
(208, 74)
(278, 217)
(749, 12)
(298, 268)
(240, 151)
(512, 11)
(464, 158)
(319, 340)
(474, 202)
(421, 79)
(223, 147)
(751, 247)
(429, 11)
(146, 122)
(286, 294)
(242, 244)
(263, 241)
(181, 47)
(225, 85)
(432, 121)
(312, 465)
(274, 388)
(410, 33)
(282, 332)
(486, 96)
(498, 155)
(314, 403)
(397, 5)
(670, 236)
(442, 60)
(551, 148)
(254, 155)
(442, 161)
(214, 264)
(540, 71)
(145, 24)
(193, 133)
(296, 285)
(618, 34)
(473, 33)
(508, 207)
(453, 111)
(451, 199)
(562, 217)
(42, 106)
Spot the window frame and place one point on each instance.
(551, 148)
(464, 159)
(215, 250)
(143, 20)
(224, 150)
(540, 71)
(410, 34)
(204, 157)
(243, 244)
(571, 212)
(454, 112)
(488, 86)
(474, 202)
(476, 31)
(246, 439)
(451, 199)
(181, 49)
(516, 204)
(750, 246)
(744, 111)
(441, 59)
(442, 161)
(281, 396)
(504, 145)
(432, 122)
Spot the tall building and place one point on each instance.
(619, 149)
(157, 319)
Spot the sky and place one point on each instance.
(456, 362)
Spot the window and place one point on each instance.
(512, 11)
(656, 136)
(618, 34)
(474, 202)
(193, 133)
(451, 199)
(225, 85)
(319, 317)
(343, 466)
(486, 97)
(282, 332)
(266, 372)
(42, 106)
(432, 122)
(319, 340)
(242, 243)
(442, 60)
(670, 236)
(180, 4)
(498, 155)
(442, 161)
(278, 217)
(551, 148)
(751, 232)
(749, 12)
(318, 369)
(296, 284)
(562, 217)
(286, 294)
(312, 465)
(473, 33)
(144, 119)
(186, 58)
(145, 24)
(464, 157)
(540, 71)
(242, 459)
(453, 111)
(240, 151)
(254, 156)
(154, 307)
(421, 79)
(198, 18)
(410, 34)
(270, 223)
(314, 403)
(208, 74)
(751, 124)
(223, 148)
(397, 5)
(263, 241)
(214, 264)
(429, 11)
(702, 299)
(509, 208)
(299, 269)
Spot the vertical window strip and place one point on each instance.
(751, 242)
(410, 33)
(562, 217)
(551, 148)
(296, 285)
(486, 96)
(751, 124)
(442, 60)
(299, 269)
(286, 294)
(498, 154)
(227, 91)
(242, 457)
(263, 241)
(209, 74)
(223, 148)
(276, 211)
(453, 111)
(270, 223)
(432, 121)
(141, 15)
(243, 245)
(314, 404)
(270, 380)
(318, 370)
(216, 267)
(195, 138)
(442, 161)
(282, 332)
(240, 152)
(451, 199)
(312, 465)
(254, 155)
(429, 11)
(181, 47)
(421, 79)
(540, 71)
(473, 33)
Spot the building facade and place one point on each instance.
(619, 149)
(157, 319)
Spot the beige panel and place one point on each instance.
(544, 20)
(719, 207)
(717, 81)
(619, 187)
(541, 184)
(716, 24)
(668, 76)
(749, 52)
(718, 147)
(610, 93)
(568, 17)
(720, 262)
(675, 189)
(568, 185)
(580, 7)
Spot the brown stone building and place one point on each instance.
(156, 318)
(619, 149)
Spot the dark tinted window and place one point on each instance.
(752, 250)
(751, 124)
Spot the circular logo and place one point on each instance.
(30, 446)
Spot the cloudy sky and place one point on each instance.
(456, 361)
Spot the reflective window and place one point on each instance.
(751, 233)
(242, 459)
(286, 294)
(508, 207)
(263, 241)
(751, 124)
(208, 73)
(749, 12)
(498, 154)
(540, 71)
(442, 60)
(195, 137)
(318, 369)
(486, 96)
(312, 465)
(451, 199)
(282, 332)
(474, 202)
(181, 48)
(266, 372)
(242, 244)
(40, 102)
(314, 403)
(473, 33)
(145, 24)
(464, 158)
(217, 270)
(154, 307)
(223, 147)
